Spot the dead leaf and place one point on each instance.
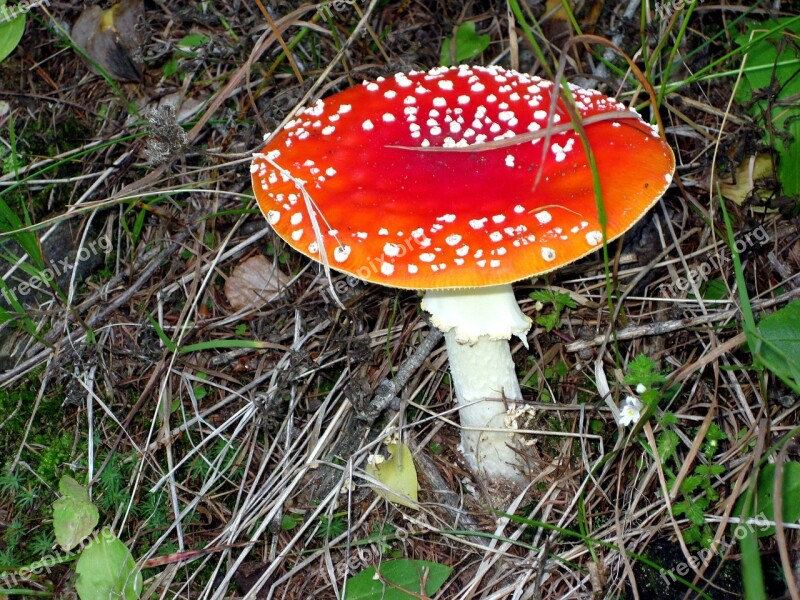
(112, 39)
(397, 474)
(750, 175)
(254, 282)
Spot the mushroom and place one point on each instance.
(417, 181)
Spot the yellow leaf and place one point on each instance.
(749, 176)
(397, 474)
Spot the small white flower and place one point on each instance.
(641, 388)
(630, 411)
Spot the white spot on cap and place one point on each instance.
(452, 239)
(446, 218)
(496, 236)
(519, 209)
(463, 250)
(593, 238)
(297, 234)
(494, 263)
(543, 217)
(477, 223)
(328, 130)
(391, 250)
(439, 102)
(541, 115)
(477, 87)
(427, 257)
(509, 160)
(387, 268)
(383, 231)
(548, 254)
(344, 108)
(463, 99)
(296, 219)
(330, 171)
(445, 84)
(413, 269)
(362, 235)
(498, 218)
(389, 94)
(367, 125)
(387, 117)
(273, 217)
(340, 253)
(373, 87)
(312, 247)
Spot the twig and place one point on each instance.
(663, 327)
(389, 388)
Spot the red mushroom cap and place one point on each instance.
(345, 181)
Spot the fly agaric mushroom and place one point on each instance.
(411, 182)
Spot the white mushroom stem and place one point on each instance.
(478, 322)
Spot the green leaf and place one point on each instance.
(398, 476)
(643, 370)
(10, 31)
(694, 512)
(468, 45)
(778, 344)
(765, 501)
(769, 88)
(106, 569)
(288, 522)
(74, 516)
(549, 321)
(193, 40)
(691, 483)
(714, 289)
(399, 579)
(170, 67)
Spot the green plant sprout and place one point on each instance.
(559, 301)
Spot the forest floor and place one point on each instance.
(224, 448)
